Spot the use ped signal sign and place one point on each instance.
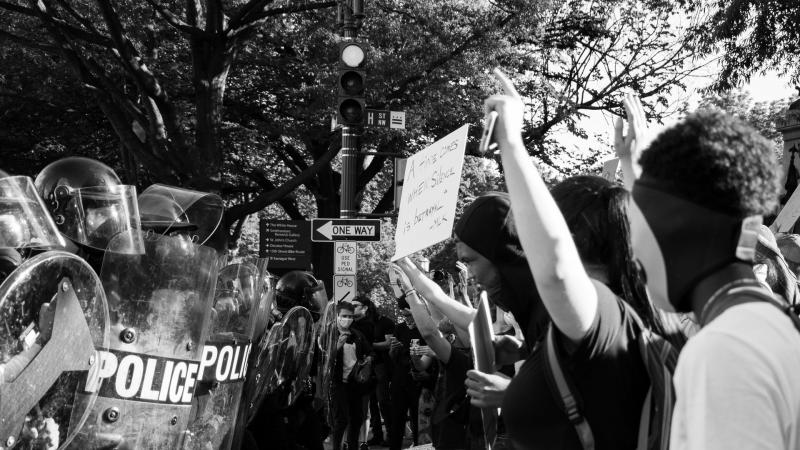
(329, 230)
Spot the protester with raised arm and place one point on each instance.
(578, 251)
(452, 414)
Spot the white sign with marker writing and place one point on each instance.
(430, 191)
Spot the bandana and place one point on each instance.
(680, 242)
(487, 227)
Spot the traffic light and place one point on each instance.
(352, 108)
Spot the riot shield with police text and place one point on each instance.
(55, 323)
(160, 303)
(224, 365)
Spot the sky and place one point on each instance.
(599, 125)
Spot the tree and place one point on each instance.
(761, 115)
(752, 36)
(236, 97)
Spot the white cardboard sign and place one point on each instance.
(788, 215)
(344, 258)
(430, 191)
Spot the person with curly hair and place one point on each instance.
(703, 186)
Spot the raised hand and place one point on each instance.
(510, 108)
(630, 146)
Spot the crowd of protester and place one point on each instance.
(654, 313)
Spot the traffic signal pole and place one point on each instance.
(347, 207)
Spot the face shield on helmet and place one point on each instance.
(24, 221)
(169, 210)
(89, 204)
(93, 216)
(299, 288)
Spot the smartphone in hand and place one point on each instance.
(487, 143)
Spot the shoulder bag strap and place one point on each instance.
(560, 387)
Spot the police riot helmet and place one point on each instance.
(299, 288)
(89, 203)
(169, 210)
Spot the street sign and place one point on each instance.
(344, 287)
(359, 230)
(344, 258)
(397, 120)
(383, 118)
(286, 243)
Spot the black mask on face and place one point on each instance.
(680, 243)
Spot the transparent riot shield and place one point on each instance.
(225, 359)
(160, 303)
(24, 220)
(254, 381)
(328, 334)
(55, 323)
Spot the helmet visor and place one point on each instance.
(169, 209)
(94, 216)
(24, 220)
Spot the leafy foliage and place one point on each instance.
(752, 36)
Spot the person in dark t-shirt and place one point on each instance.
(577, 243)
(404, 391)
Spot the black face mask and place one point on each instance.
(679, 243)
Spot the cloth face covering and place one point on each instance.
(680, 243)
(345, 322)
(487, 227)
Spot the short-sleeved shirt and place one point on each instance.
(736, 383)
(609, 377)
(383, 326)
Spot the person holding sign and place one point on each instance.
(578, 249)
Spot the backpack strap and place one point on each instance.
(727, 298)
(563, 391)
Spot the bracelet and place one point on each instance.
(405, 294)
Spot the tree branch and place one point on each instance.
(267, 198)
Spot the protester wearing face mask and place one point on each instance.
(578, 252)
(346, 395)
(702, 188)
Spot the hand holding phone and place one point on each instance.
(488, 130)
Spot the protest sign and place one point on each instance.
(610, 169)
(428, 202)
(788, 215)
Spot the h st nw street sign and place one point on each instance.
(360, 230)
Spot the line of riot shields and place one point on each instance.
(123, 324)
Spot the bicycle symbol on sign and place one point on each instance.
(344, 282)
(349, 249)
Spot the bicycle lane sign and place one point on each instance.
(344, 287)
(344, 258)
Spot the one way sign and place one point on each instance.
(328, 230)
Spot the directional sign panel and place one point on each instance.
(329, 230)
(344, 258)
(344, 287)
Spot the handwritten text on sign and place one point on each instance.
(428, 203)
